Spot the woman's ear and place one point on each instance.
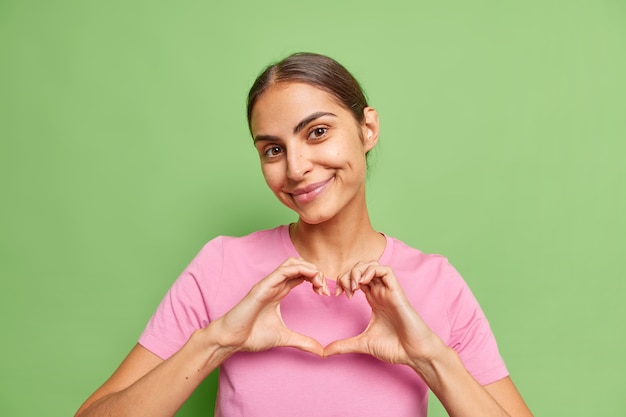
(370, 128)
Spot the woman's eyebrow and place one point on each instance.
(298, 128)
(309, 119)
(266, 138)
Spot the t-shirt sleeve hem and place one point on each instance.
(491, 375)
(160, 348)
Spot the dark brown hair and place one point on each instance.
(316, 70)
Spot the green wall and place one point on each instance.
(124, 147)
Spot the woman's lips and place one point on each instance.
(310, 192)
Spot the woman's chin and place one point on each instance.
(314, 219)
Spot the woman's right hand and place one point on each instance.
(255, 323)
(145, 385)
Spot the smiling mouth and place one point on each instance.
(310, 192)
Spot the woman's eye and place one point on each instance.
(318, 132)
(273, 152)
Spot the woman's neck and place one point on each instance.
(337, 245)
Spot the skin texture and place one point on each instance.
(326, 151)
(312, 154)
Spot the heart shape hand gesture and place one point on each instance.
(395, 334)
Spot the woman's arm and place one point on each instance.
(397, 334)
(145, 385)
(462, 395)
(507, 395)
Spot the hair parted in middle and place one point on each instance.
(316, 70)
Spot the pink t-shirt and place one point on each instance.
(287, 382)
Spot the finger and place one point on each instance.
(350, 345)
(376, 274)
(355, 278)
(343, 285)
(350, 281)
(369, 272)
(294, 269)
(304, 343)
(277, 285)
(338, 290)
(294, 282)
(319, 284)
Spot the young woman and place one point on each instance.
(383, 324)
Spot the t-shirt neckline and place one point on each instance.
(292, 251)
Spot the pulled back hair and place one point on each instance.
(316, 70)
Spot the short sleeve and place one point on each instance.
(184, 309)
(471, 336)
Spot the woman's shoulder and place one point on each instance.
(414, 264)
(400, 251)
(255, 238)
(255, 246)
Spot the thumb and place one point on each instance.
(349, 345)
(304, 343)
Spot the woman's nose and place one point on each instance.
(298, 164)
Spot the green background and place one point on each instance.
(124, 148)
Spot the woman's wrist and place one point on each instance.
(438, 361)
(454, 386)
(211, 345)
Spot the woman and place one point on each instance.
(407, 321)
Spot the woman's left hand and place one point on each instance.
(396, 333)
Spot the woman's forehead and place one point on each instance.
(289, 103)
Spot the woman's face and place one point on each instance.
(312, 150)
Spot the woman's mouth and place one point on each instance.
(310, 192)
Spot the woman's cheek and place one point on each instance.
(272, 178)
